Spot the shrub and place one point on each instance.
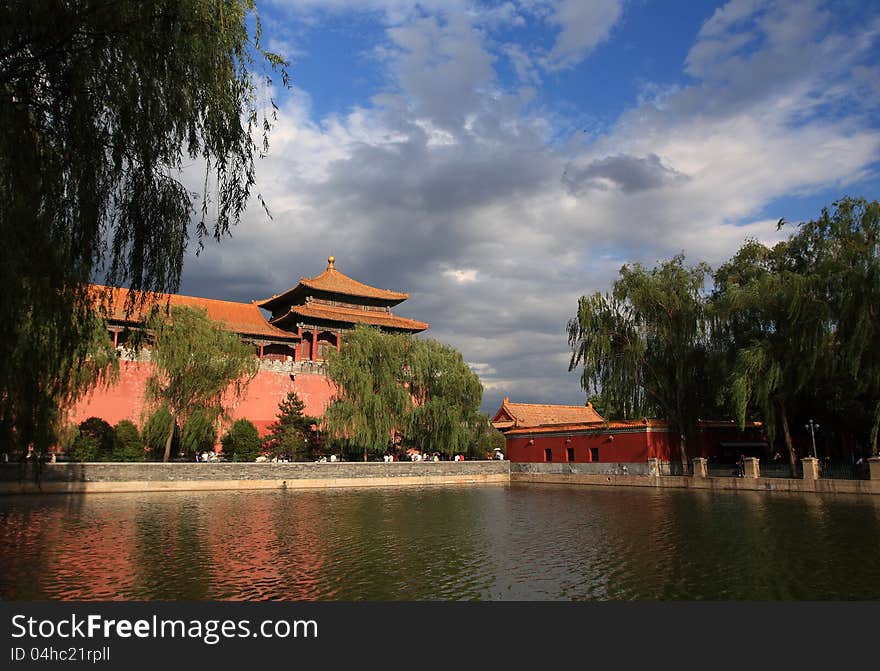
(242, 441)
(129, 446)
(489, 439)
(290, 435)
(95, 441)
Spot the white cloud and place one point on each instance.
(462, 275)
(583, 26)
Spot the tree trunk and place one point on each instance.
(792, 455)
(169, 439)
(682, 448)
(365, 453)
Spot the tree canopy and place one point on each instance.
(289, 434)
(643, 346)
(801, 321)
(242, 441)
(103, 106)
(446, 396)
(371, 404)
(199, 367)
(788, 333)
(394, 389)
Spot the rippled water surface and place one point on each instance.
(518, 542)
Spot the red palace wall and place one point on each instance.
(624, 446)
(125, 400)
(612, 446)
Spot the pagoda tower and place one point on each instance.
(319, 310)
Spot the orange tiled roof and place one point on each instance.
(353, 316)
(537, 414)
(333, 281)
(243, 318)
(621, 425)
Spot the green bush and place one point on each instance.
(242, 441)
(129, 446)
(95, 441)
(489, 439)
(291, 434)
(84, 448)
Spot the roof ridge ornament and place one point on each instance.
(330, 261)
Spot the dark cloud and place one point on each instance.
(628, 173)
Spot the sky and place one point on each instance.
(498, 160)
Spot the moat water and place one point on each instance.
(493, 542)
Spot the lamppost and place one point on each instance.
(812, 426)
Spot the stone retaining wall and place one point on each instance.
(581, 468)
(547, 475)
(119, 477)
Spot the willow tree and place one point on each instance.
(200, 367)
(103, 105)
(446, 399)
(644, 345)
(803, 316)
(840, 252)
(36, 412)
(371, 404)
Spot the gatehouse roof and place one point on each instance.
(332, 281)
(351, 316)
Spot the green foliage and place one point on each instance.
(644, 347)
(242, 441)
(802, 317)
(199, 366)
(102, 108)
(291, 432)
(129, 446)
(156, 433)
(488, 440)
(96, 441)
(371, 404)
(43, 372)
(446, 397)
(84, 448)
(394, 388)
(199, 434)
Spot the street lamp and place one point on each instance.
(812, 426)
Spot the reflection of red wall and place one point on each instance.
(125, 400)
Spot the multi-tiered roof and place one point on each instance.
(333, 300)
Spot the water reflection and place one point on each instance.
(521, 542)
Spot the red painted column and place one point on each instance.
(297, 349)
(261, 352)
(338, 340)
(115, 338)
(314, 345)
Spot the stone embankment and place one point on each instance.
(641, 475)
(143, 477)
(146, 477)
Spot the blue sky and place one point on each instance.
(497, 160)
